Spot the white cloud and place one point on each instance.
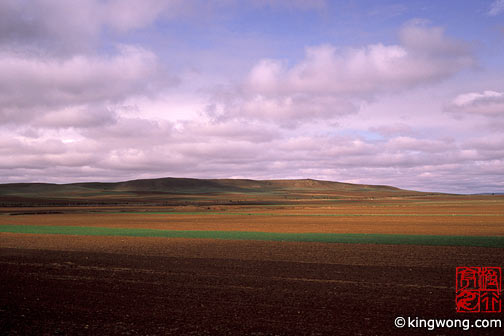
(286, 110)
(496, 8)
(75, 116)
(486, 103)
(425, 55)
(472, 97)
(124, 15)
(132, 147)
(331, 81)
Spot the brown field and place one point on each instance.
(78, 285)
(475, 226)
(97, 285)
(475, 217)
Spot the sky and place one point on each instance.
(402, 93)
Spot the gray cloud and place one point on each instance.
(54, 25)
(60, 26)
(51, 74)
(58, 92)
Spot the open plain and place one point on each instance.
(265, 103)
(237, 258)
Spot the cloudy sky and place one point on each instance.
(404, 93)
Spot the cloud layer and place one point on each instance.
(41, 89)
(425, 55)
(332, 81)
(90, 90)
(487, 103)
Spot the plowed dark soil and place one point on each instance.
(63, 285)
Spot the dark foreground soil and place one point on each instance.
(86, 292)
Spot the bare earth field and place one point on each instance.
(60, 284)
(155, 286)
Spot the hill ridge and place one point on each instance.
(175, 190)
(191, 183)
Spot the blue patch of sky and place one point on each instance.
(366, 135)
(469, 21)
(283, 33)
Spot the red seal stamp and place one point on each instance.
(478, 289)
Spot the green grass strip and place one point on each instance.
(433, 240)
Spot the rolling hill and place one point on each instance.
(183, 190)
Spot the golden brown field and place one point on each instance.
(88, 285)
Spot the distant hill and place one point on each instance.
(187, 185)
(177, 190)
(492, 194)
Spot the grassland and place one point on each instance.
(227, 257)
